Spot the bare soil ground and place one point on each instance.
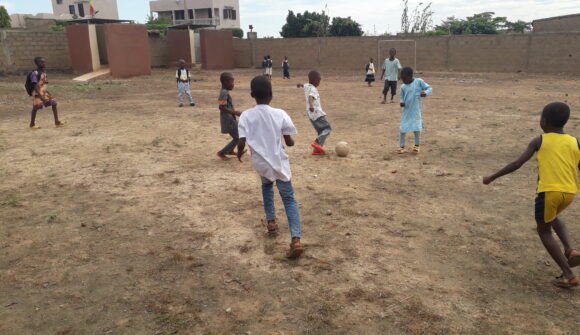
(125, 221)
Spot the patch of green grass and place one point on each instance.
(157, 141)
(10, 200)
(51, 218)
(108, 149)
(86, 87)
(387, 157)
(77, 133)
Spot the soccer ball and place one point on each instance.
(342, 149)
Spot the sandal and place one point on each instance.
(272, 227)
(573, 257)
(34, 127)
(295, 249)
(565, 282)
(60, 124)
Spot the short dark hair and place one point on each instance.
(261, 87)
(225, 76)
(407, 72)
(556, 114)
(392, 49)
(37, 60)
(314, 75)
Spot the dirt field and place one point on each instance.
(125, 221)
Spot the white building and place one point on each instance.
(217, 13)
(105, 9)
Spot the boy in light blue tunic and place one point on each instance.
(411, 93)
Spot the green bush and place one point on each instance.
(436, 33)
(56, 28)
(237, 32)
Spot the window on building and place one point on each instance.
(81, 10)
(59, 2)
(190, 13)
(229, 13)
(209, 13)
(179, 14)
(71, 9)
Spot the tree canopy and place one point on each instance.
(344, 27)
(4, 18)
(308, 24)
(482, 23)
(313, 24)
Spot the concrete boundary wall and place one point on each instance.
(542, 53)
(19, 47)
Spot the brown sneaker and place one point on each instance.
(573, 257)
(272, 227)
(295, 249)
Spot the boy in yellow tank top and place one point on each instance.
(558, 157)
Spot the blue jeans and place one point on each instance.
(290, 204)
(417, 139)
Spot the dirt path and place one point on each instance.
(125, 222)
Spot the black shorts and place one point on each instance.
(392, 85)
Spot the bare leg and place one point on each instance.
(562, 231)
(33, 117)
(553, 248)
(55, 113)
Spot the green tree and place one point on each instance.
(342, 26)
(158, 23)
(518, 27)
(482, 23)
(419, 21)
(4, 18)
(308, 24)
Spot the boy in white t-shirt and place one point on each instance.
(392, 67)
(315, 113)
(263, 128)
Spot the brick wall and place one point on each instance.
(18, 49)
(545, 53)
(159, 49)
(570, 23)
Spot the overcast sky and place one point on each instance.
(378, 16)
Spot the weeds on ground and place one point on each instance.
(157, 141)
(51, 218)
(10, 200)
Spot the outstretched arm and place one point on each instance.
(513, 166)
(300, 85)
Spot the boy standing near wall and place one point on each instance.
(392, 67)
(183, 79)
